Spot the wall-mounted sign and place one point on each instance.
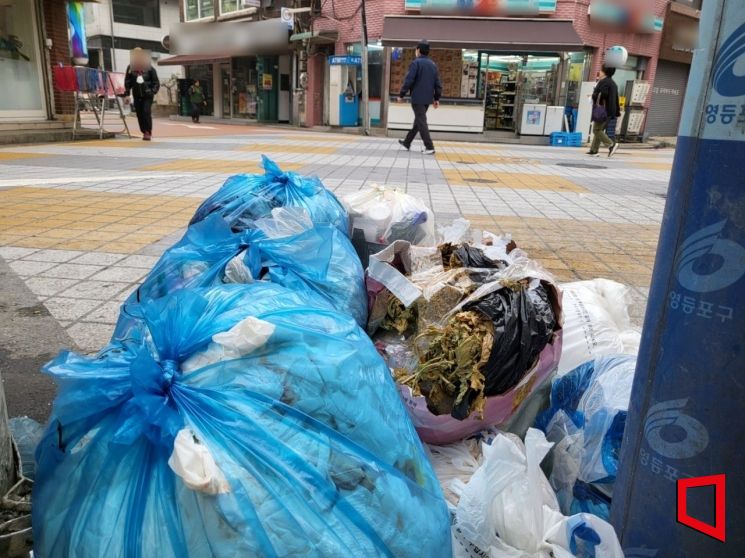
(348, 60)
(483, 7)
(632, 16)
(266, 82)
(78, 42)
(287, 16)
(238, 36)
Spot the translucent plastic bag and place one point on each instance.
(386, 215)
(288, 250)
(586, 420)
(596, 322)
(508, 510)
(208, 440)
(247, 197)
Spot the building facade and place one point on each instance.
(240, 51)
(33, 38)
(540, 53)
(543, 52)
(679, 39)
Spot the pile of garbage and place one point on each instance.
(468, 328)
(239, 410)
(269, 385)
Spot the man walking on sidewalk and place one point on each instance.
(423, 82)
(605, 108)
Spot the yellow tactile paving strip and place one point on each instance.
(12, 156)
(284, 148)
(89, 221)
(492, 179)
(465, 157)
(213, 166)
(325, 138)
(113, 143)
(653, 166)
(576, 250)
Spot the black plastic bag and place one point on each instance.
(523, 322)
(465, 255)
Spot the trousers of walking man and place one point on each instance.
(423, 82)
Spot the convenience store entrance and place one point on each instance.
(517, 88)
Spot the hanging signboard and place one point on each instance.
(491, 8)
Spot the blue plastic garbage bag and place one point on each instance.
(318, 260)
(245, 424)
(586, 420)
(243, 198)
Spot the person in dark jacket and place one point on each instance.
(142, 82)
(197, 98)
(605, 95)
(423, 82)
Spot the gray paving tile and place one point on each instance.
(70, 308)
(120, 273)
(57, 256)
(71, 271)
(96, 290)
(25, 268)
(48, 286)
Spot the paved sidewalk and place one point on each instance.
(82, 223)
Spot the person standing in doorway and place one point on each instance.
(423, 82)
(605, 108)
(142, 82)
(197, 98)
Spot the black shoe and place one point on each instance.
(402, 143)
(592, 153)
(613, 148)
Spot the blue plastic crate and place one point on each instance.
(575, 139)
(566, 139)
(559, 138)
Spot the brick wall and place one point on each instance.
(646, 45)
(55, 22)
(315, 90)
(347, 12)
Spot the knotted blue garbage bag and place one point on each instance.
(243, 198)
(246, 424)
(586, 421)
(286, 248)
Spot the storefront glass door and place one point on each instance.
(510, 81)
(227, 98)
(21, 84)
(244, 88)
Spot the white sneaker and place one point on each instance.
(428, 151)
(613, 149)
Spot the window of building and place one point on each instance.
(233, 6)
(137, 12)
(198, 9)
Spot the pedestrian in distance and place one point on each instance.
(605, 108)
(197, 98)
(423, 83)
(141, 80)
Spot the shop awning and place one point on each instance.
(318, 37)
(186, 59)
(487, 33)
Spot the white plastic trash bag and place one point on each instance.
(508, 510)
(386, 215)
(596, 322)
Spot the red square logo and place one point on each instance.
(717, 530)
